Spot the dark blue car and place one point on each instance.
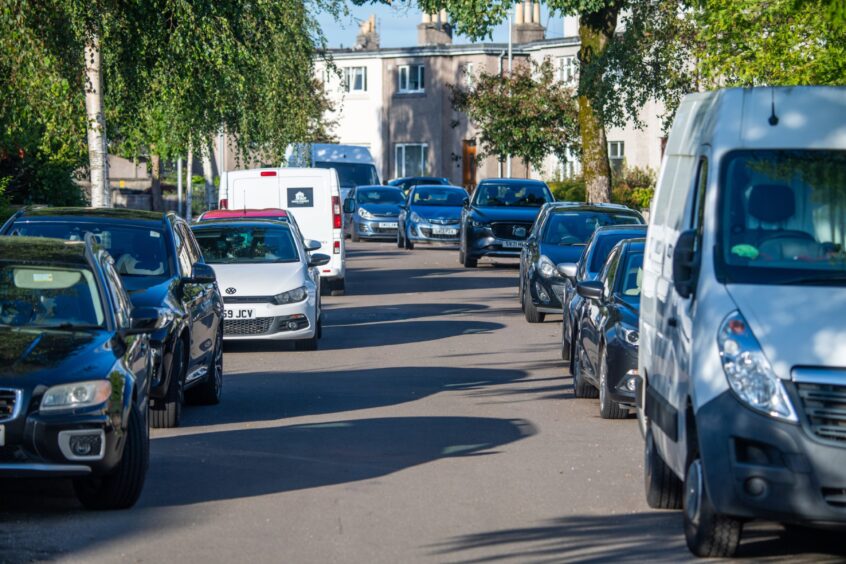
(431, 214)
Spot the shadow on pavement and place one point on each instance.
(345, 316)
(366, 282)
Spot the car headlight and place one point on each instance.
(416, 218)
(291, 296)
(749, 372)
(79, 394)
(631, 336)
(477, 223)
(546, 267)
(364, 214)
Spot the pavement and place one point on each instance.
(433, 425)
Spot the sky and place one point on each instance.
(397, 26)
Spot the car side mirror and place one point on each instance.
(568, 270)
(685, 264)
(590, 289)
(202, 274)
(144, 320)
(318, 259)
(312, 245)
(466, 202)
(349, 205)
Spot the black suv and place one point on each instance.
(75, 368)
(498, 218)
(161, 266)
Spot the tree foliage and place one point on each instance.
(530, 114)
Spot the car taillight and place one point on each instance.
(224, 204)
(336, 213)
(337, 248)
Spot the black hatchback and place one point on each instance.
(161, 266)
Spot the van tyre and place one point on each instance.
(608, 408)
(167, 412)
(122, 487)
(208, 392)
(663, 488)
(338, 287)
(581, 389)
(529, 310)
(708, 534)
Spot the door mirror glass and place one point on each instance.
(568, 270)
(312, 245)
(590, 289)
(144, 320)
(466, 202)
(349, 205)
(685, 264)
(202, 273)
(318, 259)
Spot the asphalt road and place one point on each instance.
(434, 424)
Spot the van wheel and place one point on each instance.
(338, 287)
(663, 488)
(707, 533)
(122, 487)
(167, 412)
(608, 408)
(581, 389)
(529, 310)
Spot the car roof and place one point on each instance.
(616, 229)
(633, 244)
(512, 181)
(376, 187)
(43, 250)
(94, 214)
(224, 214)
(246, 222)
(439, 186)
(582, 206)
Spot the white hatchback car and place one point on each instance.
(268, 279)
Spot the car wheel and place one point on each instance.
(338, 287)
(167, 413)
(663, 488)
(529, 310)
(581, 389)
(311, 343)
(409, 245)
(354, 234)
(400, 242)
(608, 408)
(122, 487)
(209, 391)
(565, 347)
(707, 533)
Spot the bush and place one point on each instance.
(30, 179)
(569, 189)
(633, 187)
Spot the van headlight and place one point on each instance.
(364, 214)
(546, 267)
(749, 372)
(73, 396)
(291, 296)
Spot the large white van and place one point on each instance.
(312, 195)
(743, 315)
(354, 163)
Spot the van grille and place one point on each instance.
(8, 401)
(825, 407)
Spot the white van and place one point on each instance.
(312, 195)
(354, 163)
(743, 315)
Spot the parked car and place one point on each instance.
(373, 212)
(409, 182)
(554, 247)
(75, 369)
(593, 259)
(431, 214)
(605, 353)
(161, 266)
(741, 329)
(311, 195)
(353, 163)
(497, 220)
(270, 288)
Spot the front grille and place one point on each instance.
(248, 300)
(825, 408)
(445, 221)
(384, 230)
(503, 230)
(257, 326)
(8, 401)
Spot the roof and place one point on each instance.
(617, 228)
(584, 206)
(511, 181)
(118, 214)
(43, 250)
(449, 50)
(231, 214)
(245, 222)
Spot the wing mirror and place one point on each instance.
(568, 270)
(318, 259)
(349, 205)
(685, 264)
(590, 289)
(202, 273)
(312, 245)
(144, 320)
(466, 202)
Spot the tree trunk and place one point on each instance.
(596, 30)
(189, 189)
(156, 186)
(208, 174)
(98, 153)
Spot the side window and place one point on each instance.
(609, 271)
(536, 228)
(681, 192)
(191, 244)
(123, 306)
(182, 256)
(697, 214)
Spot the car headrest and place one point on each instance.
(772, 203)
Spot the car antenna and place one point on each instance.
(773, 117)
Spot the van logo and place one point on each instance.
(300, 198)
(519, 231)
(231, 291)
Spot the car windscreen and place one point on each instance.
(49, 296)
(438, 197)
(247, 244)
(631, 278)
(351, 175)
(783, 217)
(512, 194)
(137, 251)
(603, 245)
(378, 196)
(576, 227)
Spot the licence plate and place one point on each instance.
(2, 435)
(444, 231)
(512, 244)
(232, 313)
(389, 225)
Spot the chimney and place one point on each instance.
(368, 38)
(434, 29)
(527, 23)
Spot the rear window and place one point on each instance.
(602, 248)
(577, 227)
(351, 175)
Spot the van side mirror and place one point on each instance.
(318, 259)
(568, 270)
(349, 205)
(590, 289)
(685, 264)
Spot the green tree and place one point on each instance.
(529, 114)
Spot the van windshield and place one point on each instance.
(351, 175)
(783, 217)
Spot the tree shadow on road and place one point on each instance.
(345, 316)
(365, 282)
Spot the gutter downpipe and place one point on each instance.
(502, 56)
(510, 58)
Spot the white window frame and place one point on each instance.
(350, 76)
(407, 71)
(616, 150)
(399, 159)
(570, 166)
(568, 69)
(469, 75)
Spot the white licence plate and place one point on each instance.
(2, 435)
(389, 225)
(512, 244)
(239, 313)
(444, 230)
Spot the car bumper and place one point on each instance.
(482, 243)
(425, 233)
(382, 228)
(273, 322)
(622, 368)
(547, 295)
(759, 467)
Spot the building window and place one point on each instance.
(411, 160)
(469, 75)
(355, 79)
(616, 154)
(568, 69)
(411, 78)
(570, 166)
